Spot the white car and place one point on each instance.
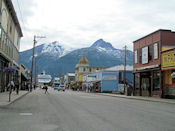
(61, 87)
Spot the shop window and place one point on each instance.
(156, 80)
(136, 82)
(150, 52)
(140, 55)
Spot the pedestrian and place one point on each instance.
(46, 88)
(17, 87)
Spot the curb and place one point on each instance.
(168, 102)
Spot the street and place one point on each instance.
(79, 111)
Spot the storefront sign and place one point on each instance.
(145, 55)
(109, 77)
(168, 59)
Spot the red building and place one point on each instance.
(148, 77)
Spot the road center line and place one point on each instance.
(25, 114)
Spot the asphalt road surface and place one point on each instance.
(77, 111)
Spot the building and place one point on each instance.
(148, 77)
(10, 35)
(83, 68)
(68, 78)
(168, 69)
(24, 78)
(110, 79)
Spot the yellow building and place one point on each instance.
(168, 68)
(83, 68)
(10, 35)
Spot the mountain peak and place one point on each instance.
(103, 44)
(54, 48)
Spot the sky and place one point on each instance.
(79, 23)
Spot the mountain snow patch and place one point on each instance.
(54, 49)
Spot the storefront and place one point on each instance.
(3, 75)
(168, 68)
(147, 82)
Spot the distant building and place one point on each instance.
(68, 78)
(148, 77)
(10, 35)
(43, 78)
(24, 77)
(83, 68)
(109, 80)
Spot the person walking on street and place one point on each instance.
(46, 88)
(17, 88)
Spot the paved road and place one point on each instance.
(76, 111)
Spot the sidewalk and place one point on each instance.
(4, 97)
(152, 99)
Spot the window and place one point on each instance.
(135, 54)
(140, 55)
(156, 83)
(89, 69)
(145, 55)
(84, 69)
(150, 52)
(155, 50)
(11, 24)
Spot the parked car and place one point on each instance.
(61, 87)
(55, 86)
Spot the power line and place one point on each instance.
(20, 12)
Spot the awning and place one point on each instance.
(24, 76)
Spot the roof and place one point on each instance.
(14, 16)
(83, 60)
(152, 33)
(119, 68)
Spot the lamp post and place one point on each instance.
(34, 43)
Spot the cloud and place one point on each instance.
(79, 23)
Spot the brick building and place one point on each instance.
(148, 77)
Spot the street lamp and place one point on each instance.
(34, 42)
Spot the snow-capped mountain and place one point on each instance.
(101, 44)
(107, 48)
(56, 60)
(54, 49)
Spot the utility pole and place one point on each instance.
(34, 43)
(125, 69)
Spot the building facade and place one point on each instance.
(148, 77)
(10, 35)
(83, 68)
(168, 69)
